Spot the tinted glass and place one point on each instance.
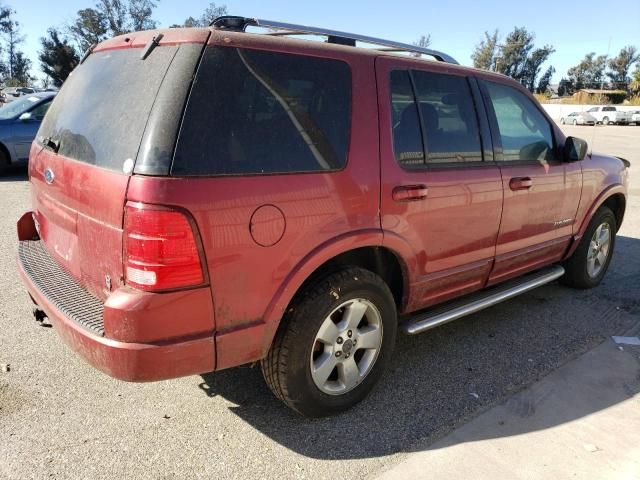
(253, 112)
(101, 111)
(449, 118)
(39, 112)
(407, 139)
(525, 132)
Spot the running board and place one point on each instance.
(481, 300)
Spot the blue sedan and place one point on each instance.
(19, 123)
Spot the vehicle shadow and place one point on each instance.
(443, 378)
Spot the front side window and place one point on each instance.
(258, 112)
(39, 112)
(448, 118)
(525, 132)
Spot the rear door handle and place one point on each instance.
(409, 193)
(520, 183)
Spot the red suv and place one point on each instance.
(206, 198)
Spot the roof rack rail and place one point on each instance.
(240, 24)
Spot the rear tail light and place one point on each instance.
(160, 249)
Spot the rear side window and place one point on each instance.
(100, 114)
(256, 112)
(449, 118)
(524, 131)
(442, 108)
(407, 137)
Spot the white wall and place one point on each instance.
(557, 111)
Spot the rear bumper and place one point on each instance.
(125, 345)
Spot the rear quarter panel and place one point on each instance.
(320, 209)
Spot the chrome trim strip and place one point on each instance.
(432, 320)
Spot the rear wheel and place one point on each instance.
(333, 344)
(588, 264)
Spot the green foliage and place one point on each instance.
(110, 18)
(589, 73)
(620, 65)
(545, 80)
(517, 57)
(57, 57)
(484, 55)
(211, 12)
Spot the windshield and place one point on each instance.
(101, 112)
(18, 107)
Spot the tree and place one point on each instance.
(423, 42)
(533, 65)
(58, 58)
(140, 12)
(620, 65)
(10, 29)
(589, 73)
(484, 55)
(565, 87)
(110, 18)
(545, 80)
(88, 28)
(21, 69)
(211, 12)
(634, 86)
(516, 57)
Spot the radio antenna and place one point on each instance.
(595, 124)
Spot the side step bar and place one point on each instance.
(481, 300)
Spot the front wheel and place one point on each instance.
(589, 263)
(562, 121)
(575, 122)
(605, 121)
(333, 343)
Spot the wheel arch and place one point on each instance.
(5, 151)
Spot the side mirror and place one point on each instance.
(575, 149)
(25, 117)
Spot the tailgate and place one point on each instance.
(90, 143)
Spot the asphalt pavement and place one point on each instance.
(60, 418)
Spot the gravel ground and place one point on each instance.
(59, 418)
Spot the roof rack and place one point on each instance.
(240, 24)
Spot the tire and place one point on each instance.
(4, 163)
(562, 121)
(575, 122)
(605, 121)
(288, 368)
(578, 268)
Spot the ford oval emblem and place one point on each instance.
(49, 176)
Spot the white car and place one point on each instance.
(635, 117)
(578, 118)
(608, 114)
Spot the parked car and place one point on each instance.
(608, 114)
(11, 93)
(579, 118)
(19, 123)
(635, 117)
(220, 198)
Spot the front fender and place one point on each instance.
(596, 204)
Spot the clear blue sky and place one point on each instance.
(574, 28)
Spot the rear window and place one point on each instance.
(100, 114)
(256, 112)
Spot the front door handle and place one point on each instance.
(409, 193)
(520, 183)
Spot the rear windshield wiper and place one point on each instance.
(51, 144)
